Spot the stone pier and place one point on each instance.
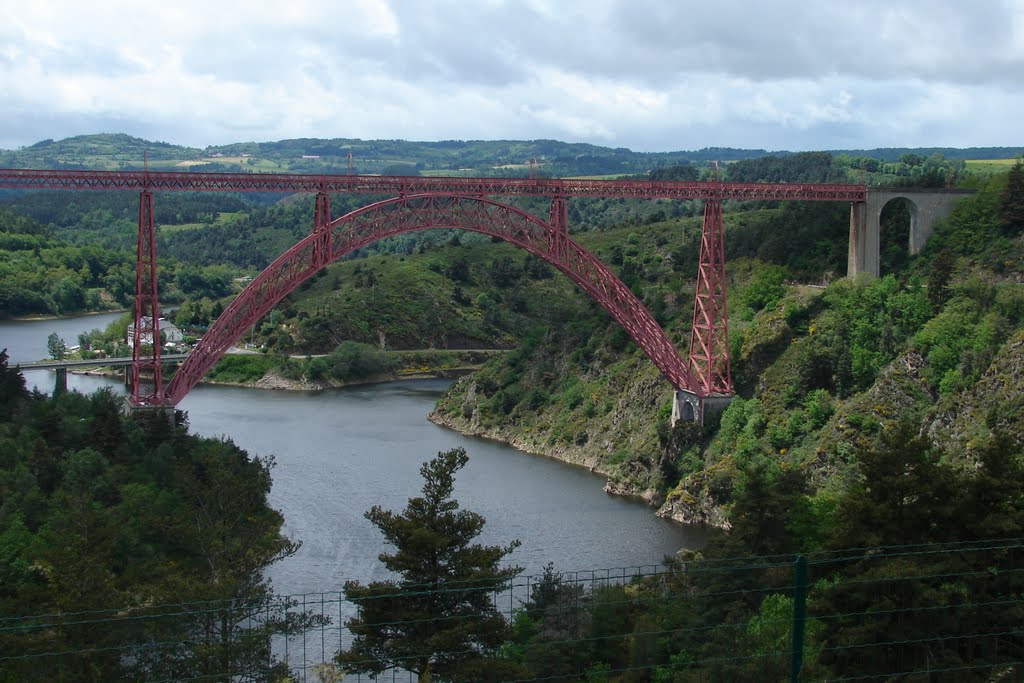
(689, 407)
(926, 206)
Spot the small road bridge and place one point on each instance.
(118, 362)
(701, 379)
(62, 366)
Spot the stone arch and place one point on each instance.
(928, 207)
(887, 219)
(420, 212)
(915, 242)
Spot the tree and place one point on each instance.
(439, 617)
(906, 494)
(684, 172)
(56, 346)
(940, 274)
(1012, 200)
(911, 159)
(12, 387)
(458, 270)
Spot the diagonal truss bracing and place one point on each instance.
(709, 333)
(146, 332)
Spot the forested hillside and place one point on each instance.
(403, 157)
(870, 414)
(823, 369)
(391, 157)
(99, 511)
(879, 424)
(67, 252)
(41, 274)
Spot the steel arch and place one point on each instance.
(420, 212)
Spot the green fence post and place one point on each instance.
(799, 617)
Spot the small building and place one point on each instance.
(171, 332)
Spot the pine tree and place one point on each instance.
(439, 617)
(940, 274)
(1012, 200)
(12, 387)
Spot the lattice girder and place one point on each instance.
(419, 212)
(709, 332)
(146, 356)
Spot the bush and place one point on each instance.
(351, 360)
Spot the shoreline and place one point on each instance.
(44, 318)
(272, 382)
(668, 506)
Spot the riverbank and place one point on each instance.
(675, 507)
(678, 507)
(526, 442)
(273, 380)
(276, 382)
(687, 504)
(43, 318)
(338, 453)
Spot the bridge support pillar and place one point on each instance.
(863, 256)
(146, 334)
(709, 332)
(60, 384)
(689, 407)
(161, 411)
(322, 228)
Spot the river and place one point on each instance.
(341, 451)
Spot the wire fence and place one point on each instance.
(952, 612)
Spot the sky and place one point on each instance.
(650, 75)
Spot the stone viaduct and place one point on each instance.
(926, 206)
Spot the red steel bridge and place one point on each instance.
(419, 203)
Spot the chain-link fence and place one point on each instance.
(948, 612)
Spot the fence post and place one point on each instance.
(799, 617)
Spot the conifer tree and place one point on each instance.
(1012, 200)
(439, 618)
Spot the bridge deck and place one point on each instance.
(408, 185)
(94, 362)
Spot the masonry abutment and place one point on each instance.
(865, 241)
(927, 207)
(689, 407)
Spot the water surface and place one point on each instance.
(339, 452)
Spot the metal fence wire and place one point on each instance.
(951, 612)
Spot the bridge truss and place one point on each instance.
(431, 202)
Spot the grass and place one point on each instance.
(241, 368)
(989, 165)
(449, 172)
(223, 218)
(181, 227)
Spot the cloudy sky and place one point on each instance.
(653, 75)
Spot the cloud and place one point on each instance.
(646, 74)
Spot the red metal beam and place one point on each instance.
(166, 181)
(405, 214)
(709, 333)
(146, 338)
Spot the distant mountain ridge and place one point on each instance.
(114, 151)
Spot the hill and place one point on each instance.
(113, 151)
(822, 372)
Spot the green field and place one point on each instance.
(610, 176)
(449, 172)
(990, 165)
(223, 218)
